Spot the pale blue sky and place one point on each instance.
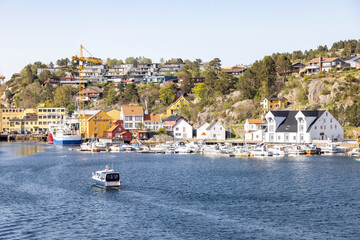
(238, 32)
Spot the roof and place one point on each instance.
(142, 131)
(255, 121)
(113, 127)
(289, 124)
(316, 60)
(350, 58)
(181, 120)
(93, 115)
(152, 117)
(211, 125)
(173, 118)
(132, 110)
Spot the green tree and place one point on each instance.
(145, 61)
(199, 90)
(62, 96)
(131, 93)
(167, 93)
(283, 66)
(132, 60)
(225, 84)
(44, 75)
(268, 76)
(70, 108)
(186, 83)
(111, 96)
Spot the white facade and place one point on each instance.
(131, 121)
(201, 132)
(216, 131)
(153, 125)
(213, 131)
(182, 130)
(303, 127)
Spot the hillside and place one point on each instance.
(224, 97)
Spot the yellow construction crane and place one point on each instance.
(2, 78)
(81, 95)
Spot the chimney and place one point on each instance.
(320, 64)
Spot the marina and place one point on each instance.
(176, 196)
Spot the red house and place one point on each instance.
(143, 135)
(117, 131)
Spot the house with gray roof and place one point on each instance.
(213, 131)
(302, 127)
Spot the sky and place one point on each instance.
(237, 32)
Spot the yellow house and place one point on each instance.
(274, 103)
(114, 114)
(175, 107)
(95, 125)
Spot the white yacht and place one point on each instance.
(330, 148)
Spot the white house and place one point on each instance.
(254, 129)
(201, 132)
(132, 116)
(152, 122)
(353, 61)
(182, 130)
(213, 131)
(302, 127)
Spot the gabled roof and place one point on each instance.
(350, 58)
(213, 124)
(173, 118)
(255, 121)
(113, 127)
(181, 120)
(132, 110)
(174, 103)
(289, 124)
(93, 115)
(152, 117)
(205, 123)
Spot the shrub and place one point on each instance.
(162, 131)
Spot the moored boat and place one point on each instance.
(62, 134)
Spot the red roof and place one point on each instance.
(316, 60)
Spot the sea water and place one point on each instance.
(47, 193)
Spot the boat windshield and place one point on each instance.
(112, 177)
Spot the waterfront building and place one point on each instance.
(254, 129)
(213, 131)
(273, 103)
(8, 114)
(95, 125)
(152, 122)
(117, 131)
(132, 117)
(170, 121)
(182, 130)
(31, 119)
(302, 127)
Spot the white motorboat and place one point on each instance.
(329, 148)
(214, 150)
(107, 178)
(354, 152)
(114, 148)
(260, 151)
(181, 148)
(295, 150)
(241, 152)
(279, 150)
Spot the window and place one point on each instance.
(101, 117)
(331, 120)
(294, 138)
(214, 135)
(279, 137)
(138, 118)
(315, 127)
(335, 126)
(95, 123)
(177, 129)
(95, 129)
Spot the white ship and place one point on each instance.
(63, 134)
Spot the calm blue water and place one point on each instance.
(49, 195)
